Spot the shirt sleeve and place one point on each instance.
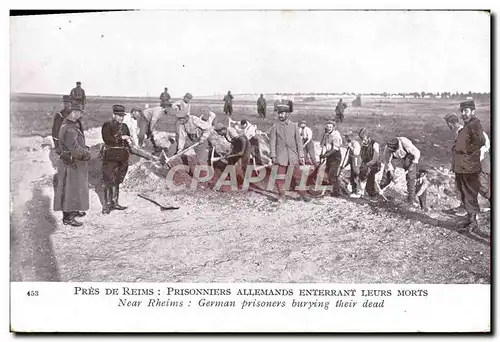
(204, 126)
(252, 130)
(411, 149)
(211, 117)
(181, 137)
(356, 148)
(387, 158)
(308, 135)
(155, 117)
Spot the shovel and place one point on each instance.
(166, 160)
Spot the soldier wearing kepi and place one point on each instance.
(401, 148)
(453, 123)
(72, 189)
(467, 164)
(370, 164)
(118, 145)
(77, 95)
(56, 127)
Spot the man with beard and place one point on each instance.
(287, 150)
(118, 145)
(330, 150)
(370, 164)
(72, 188)
(467, 164)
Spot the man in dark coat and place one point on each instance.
(339, 110)
(56, 127)
(165, 99)
(78, 95)
(116, 151)
(228, 103)
(370, 164)
(467, 164)
(241, 147)
(72, 189)
(261, 106)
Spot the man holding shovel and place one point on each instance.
(370, 164)
(401, 148)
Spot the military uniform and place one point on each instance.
(467, 162)
(165, 100)
(77, 95)
(115, 159)
(339, 110)
(228, 104)
(261, 107)
(72, 189)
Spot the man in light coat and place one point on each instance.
(287, 150)
(72, 189)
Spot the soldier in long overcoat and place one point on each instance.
(72, 188)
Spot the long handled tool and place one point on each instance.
(163, 207)
(166, 160)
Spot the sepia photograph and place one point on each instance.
(251, 146)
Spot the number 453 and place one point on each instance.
(32, 293)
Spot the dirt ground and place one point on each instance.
(244, 236)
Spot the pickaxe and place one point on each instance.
(166, 160)
(390, 185)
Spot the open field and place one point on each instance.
(241, 237)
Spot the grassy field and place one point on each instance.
(241, 237)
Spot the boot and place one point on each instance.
(107, 199)
(69, 219)
(114, 199)
(80, 213)
(469, 225)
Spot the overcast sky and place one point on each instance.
(208, 52)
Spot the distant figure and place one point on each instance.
(261, 106)
(77, 95)
(228, 103)
(72, 189)
(339, 110)
(165, 99)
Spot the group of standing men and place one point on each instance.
(291, 145)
